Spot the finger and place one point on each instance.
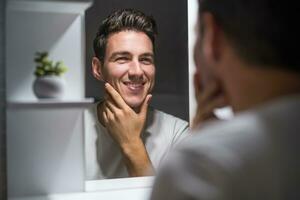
(198, 117)
(115, 96)
(109, 114)
(209, 91)
(213, 104)
(111, 106)
(145, 105)
(108, 98)
(207, 112)
(197, 85)
(105, 117)
(221, 102)
(198, 120)
(202, 116)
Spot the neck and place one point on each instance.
(251, 86)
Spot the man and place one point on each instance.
(126, 138)
(246, 56)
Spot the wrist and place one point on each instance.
(133, 148)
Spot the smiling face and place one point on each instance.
(129, 65)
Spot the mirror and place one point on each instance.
(46, 138)
(104, 159)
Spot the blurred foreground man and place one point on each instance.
(246, 55)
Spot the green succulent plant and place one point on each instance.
(44, 66)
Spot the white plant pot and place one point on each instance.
(49, 86)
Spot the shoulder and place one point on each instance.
(168, 118)
(233, 137)
(169, 127)
(206, 161)
(169, 123)
(223, 144)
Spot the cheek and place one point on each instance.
(150, 72)
(116, 72)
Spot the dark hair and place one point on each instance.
(262, 32)
(120, 20)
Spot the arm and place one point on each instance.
(125, 127)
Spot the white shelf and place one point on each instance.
(132, 194)
(119, 183)
(51, 103)
(55, 6)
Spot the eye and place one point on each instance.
(146, 61)
(122, 60)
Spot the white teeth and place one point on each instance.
(134, 86)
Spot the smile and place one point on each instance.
(134, 86)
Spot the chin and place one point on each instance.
(134, 103)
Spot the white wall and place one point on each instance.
(44, 151)
(192, 19)
(28, 32)
(2, 104)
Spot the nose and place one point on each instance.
(135, 70)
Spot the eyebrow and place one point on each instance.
(119, 53)
(125, 53)
(148, 55)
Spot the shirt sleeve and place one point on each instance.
(181, 131)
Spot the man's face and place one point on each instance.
(129, 65)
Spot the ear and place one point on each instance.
(211, 38)
(97, 69)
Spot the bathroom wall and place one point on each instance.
(2, 105)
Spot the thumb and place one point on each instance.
(145, 105)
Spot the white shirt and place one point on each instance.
(103, 156)
(253, 156)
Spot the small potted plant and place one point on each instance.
(49, 82)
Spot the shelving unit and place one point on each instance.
(43, 25)
(49, 103)
(45, 147)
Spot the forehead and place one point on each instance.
(129, 41)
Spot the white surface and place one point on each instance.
(138, 188)
(51, 103)
(44, 151)
(130, 194)
(192, 19)
(119, 184)
(76, 7)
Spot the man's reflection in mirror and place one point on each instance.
(126, 137)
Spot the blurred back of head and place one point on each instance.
(262, 32)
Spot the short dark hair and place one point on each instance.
(262, 32)
(120, 20)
